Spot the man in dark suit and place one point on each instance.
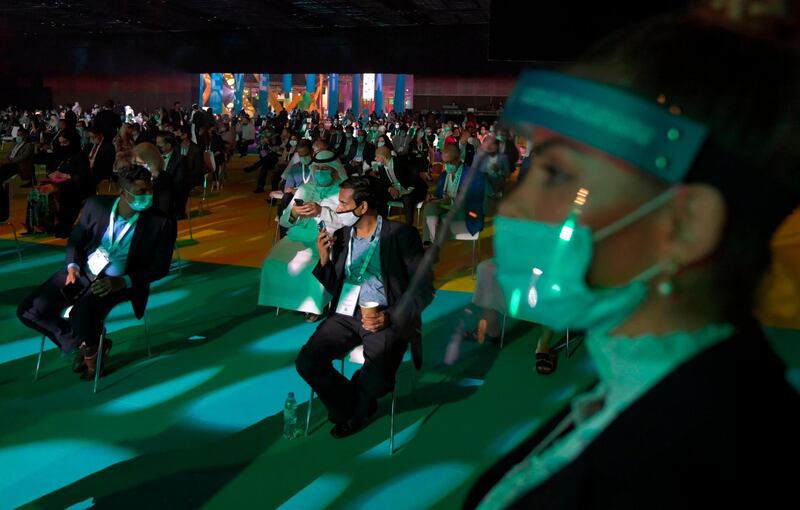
(337, 140)
(400, 182)
(360, 152)
(114, 261)
(101, 153)
(108, 121)
(176, 114)
(191, 171)
(150, 156)
(386, 256)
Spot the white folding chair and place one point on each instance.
(398, 204)
(357, 356)
(476, 240)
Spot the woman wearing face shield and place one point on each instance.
(646, 219)
(286, 276)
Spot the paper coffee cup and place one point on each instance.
(370, 309)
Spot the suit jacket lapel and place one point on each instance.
(386, 253)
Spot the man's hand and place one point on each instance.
(375, 323)
(394, 192)
(107, 285)
(309, 210)
(324, 245)
(72, 275)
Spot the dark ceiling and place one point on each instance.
(147, 17)
(114, 37)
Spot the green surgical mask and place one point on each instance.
(139, 202)
(542, 269)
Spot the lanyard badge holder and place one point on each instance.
(348, 298)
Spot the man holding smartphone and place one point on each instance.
(373, 269)
(118, 248)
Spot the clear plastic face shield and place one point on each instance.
(596, 160)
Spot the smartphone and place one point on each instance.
(299, 201)
(73, 291)
(321, 226)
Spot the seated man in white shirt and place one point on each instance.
(286, 275)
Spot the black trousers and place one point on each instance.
(42, 310)
(334, 338)
(410, 202)
(242, 146)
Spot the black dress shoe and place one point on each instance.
(78, 365)
(355, 424)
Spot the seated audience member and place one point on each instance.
(247, 135)
(101, 153)
(467, 218)
(369, 262)
(362, 152)
(494, 164)
(384, 141)
(286, 275)
(267, 165)
(18, 162)
(119, 247)
(190, 173)
(400, 182)
(349, 141)
(65, 189)
(657, 247)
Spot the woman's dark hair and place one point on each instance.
(744, 89)
(365, 189)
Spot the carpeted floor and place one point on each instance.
(199, 423)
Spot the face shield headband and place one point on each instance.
(614, 121)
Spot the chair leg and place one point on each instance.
(147, 335)
(178, 259)
(308, 414)
(503, 332)
(39, 360)
(474, 244)
(391, 420)
(568, 353)
(277, 310)
(342, 369)
(19, 249)
(189, 217)
(99, 359)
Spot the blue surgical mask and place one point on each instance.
(139, 202)
(546, 283)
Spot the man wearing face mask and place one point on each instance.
(101, 154)
(371, 263)
(348, 142)
(286, 278)
(119, 247)
(192, 170)
(400, 182)
(360, 153)
(337, 140)
(456, 178)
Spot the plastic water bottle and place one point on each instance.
(290, 417)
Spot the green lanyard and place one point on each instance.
(373, 245)
(130, 222)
